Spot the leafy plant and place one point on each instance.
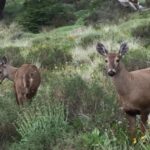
(41, 126)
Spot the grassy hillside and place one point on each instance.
(75, 107)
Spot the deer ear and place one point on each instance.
(123, 49)
(4, 60)
(101, 49)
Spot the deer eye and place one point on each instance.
(117, 60)
(106, 60)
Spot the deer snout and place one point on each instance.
(111, 72)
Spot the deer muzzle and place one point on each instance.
(111, 72)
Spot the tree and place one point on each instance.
(148, 2)
(38, 13)
(2, 5)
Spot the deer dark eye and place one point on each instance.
(117, 60)
(106, 60)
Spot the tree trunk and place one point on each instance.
(148, 2)
(2, 5)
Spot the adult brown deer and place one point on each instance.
(26, 79)
(133, 88)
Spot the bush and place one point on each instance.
(86, 103)
(40, 13)
(8, 116)
(103, 12)
(147, 2)
(142, 31)
(41, 126)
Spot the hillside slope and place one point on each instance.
(75, 107)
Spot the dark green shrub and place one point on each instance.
(8, 116)
(103, 11)
(147, 2)
(40, 13)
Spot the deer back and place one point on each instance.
(28, 76)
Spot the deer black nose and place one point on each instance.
(111, 73)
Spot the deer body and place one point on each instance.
(133, 88)
(26, 80)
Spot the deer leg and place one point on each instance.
(20, 96)
(144, 118)
(132, 126)
(17, 100)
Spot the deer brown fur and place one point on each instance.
(133, 87)
(26, 79)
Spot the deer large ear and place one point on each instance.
(101, 49)
(4, 60)
(123, 49)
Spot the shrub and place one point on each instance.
(97, 139)
(103, 11)
(8, 116)
(148, 2)
(40, 13)
(41, 126)
(142, 31)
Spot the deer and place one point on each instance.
(26, 79)
(132, 88)
(134, 4)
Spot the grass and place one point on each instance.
(75, 107)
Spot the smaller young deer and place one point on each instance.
(26, 79)
(133, 88)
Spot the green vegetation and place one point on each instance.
(76, 105)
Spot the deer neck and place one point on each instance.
(122, 80)
(11, 71)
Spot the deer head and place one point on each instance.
(3, 70)
(112, 59)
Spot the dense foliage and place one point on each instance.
(2, 6)
(37, 13)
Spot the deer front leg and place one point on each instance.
(144, 118)
(16, 95)
(20, 96)
(132, 127)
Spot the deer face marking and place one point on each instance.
(112, 63)
(112, 59)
